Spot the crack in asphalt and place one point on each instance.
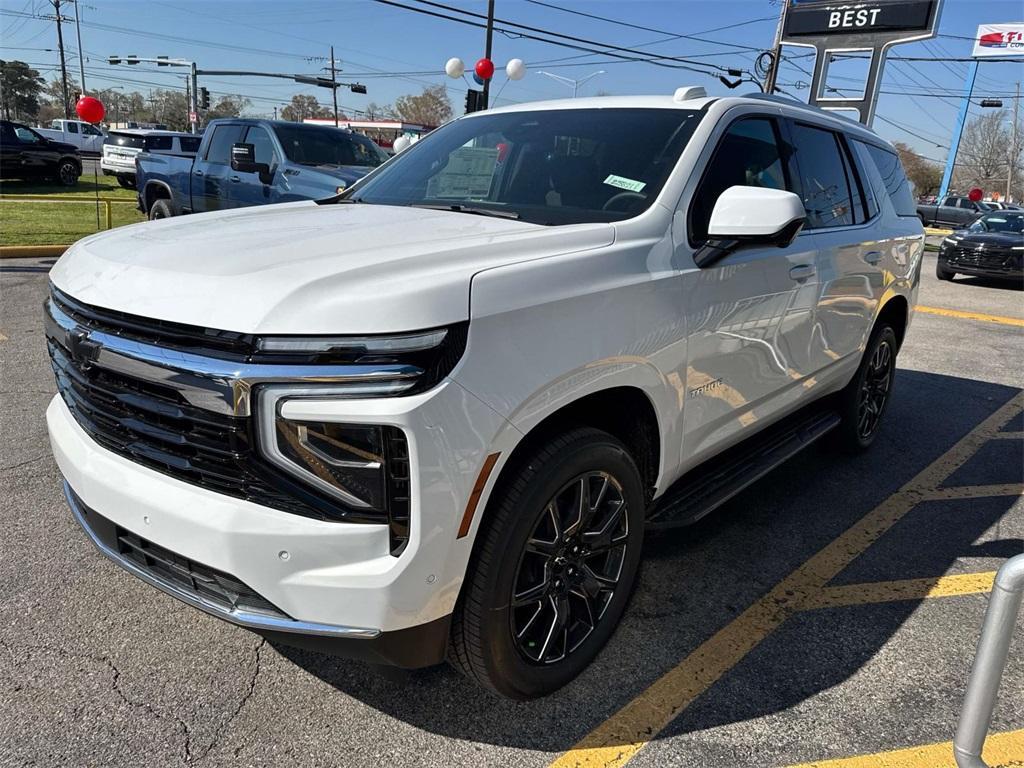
(23, 463)
(188, 756)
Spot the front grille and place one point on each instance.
(154, 426)
(983, 258)
(171, 569)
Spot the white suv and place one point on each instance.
(433, 417)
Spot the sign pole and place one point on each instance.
(947, 176)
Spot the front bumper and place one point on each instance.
(1002, 264)
(339, 586)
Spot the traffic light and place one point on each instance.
(992, 103)
(474, 100)
(357, 88)
(204, 98)
(113, 60)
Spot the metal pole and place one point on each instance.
(1013, 145)
(78, 34)
(487, 52)
(63, 66)
(773, 71)
(334, 88)
(947, 176)
(194, 98)
(989, 663)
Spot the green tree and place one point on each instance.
(227, 106)
(432, 107)
(20, 88)
(925, 175)
(303, 106)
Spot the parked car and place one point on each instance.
(243, 162)
(993, 246)
(1002, 205)
(86, 137)
(954, 211)
(122, 146)
(25, 154)
(432, 417)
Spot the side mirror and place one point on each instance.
(751, 216)
(243, 160)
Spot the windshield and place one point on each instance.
(1004, 221)
(316, 145)
(546, 167)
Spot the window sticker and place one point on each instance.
(468, 175)
(623, 183)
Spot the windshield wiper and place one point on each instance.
(459, 208)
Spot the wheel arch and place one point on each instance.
(895, 312)
(156, 190)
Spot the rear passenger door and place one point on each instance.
(210, 172)
(842, 224)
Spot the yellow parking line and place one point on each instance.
(1010, 435)
(904, 589)
(1002, 750)
(1001, 319)
(975, 491)
(618, 739)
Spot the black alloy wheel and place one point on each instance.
(67, 173)
(875, 388)
(570, 568)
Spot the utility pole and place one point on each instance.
(487, 52)
(78, 34)
(773, 71)
(1013, 144)
(275, 113)
(334, 87)
(193, 106)
(63, 65)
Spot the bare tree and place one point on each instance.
(984, 157)
(925, 175)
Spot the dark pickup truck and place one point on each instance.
(243, 162)
(954, 211)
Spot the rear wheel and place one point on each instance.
(68, 173)
(864, 401)
(128, 182)
(161, 209)
(554, 567)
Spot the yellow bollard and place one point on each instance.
(108, 212)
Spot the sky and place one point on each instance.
(394, 51)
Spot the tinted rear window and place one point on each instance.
(896, 184)
(126, 140)
(164, 143)
(190, 144)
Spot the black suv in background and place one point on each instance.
(25, 154)
(993, 246)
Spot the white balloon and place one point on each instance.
(454, 67)
(401, 144)
(515, 69)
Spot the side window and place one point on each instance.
(190, 144)
(72, 127)
(261, 142)
(7, 133)
(889, 168)
(220, 143)
(748, 155)
(91, 130)
(867, 180)
(827, 195)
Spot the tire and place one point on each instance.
(864, 401)
(556, 568)
(943, 273)
(128, 182)
(68, 173)
(161, 209)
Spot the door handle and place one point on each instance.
(873, 257)
(802, 272)
(234, 178)
(197, 172)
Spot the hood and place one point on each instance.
(306, 268)
(989, 239)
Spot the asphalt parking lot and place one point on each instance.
(827, 616)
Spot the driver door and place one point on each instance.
(749, 316)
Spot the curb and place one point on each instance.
(32, 251)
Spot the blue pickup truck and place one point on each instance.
(243, 162)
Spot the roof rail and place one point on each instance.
(791, 102)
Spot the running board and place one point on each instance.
(708, 486)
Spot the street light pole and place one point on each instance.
(487, 52)
(1013, 144)
(63, 65)
(569, 81)
(334, 88)
(78, 34)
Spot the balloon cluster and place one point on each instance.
(484, 69)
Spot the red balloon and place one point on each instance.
(89, 109)
(975, 195)
(484, 68)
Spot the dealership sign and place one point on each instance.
(824, 17)
(999, 40)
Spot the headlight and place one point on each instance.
(362, 468)
(951, 240)
(1017, 247)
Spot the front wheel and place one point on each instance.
(68, 173)
(555, 563)
(942, 273)
(864, 401)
